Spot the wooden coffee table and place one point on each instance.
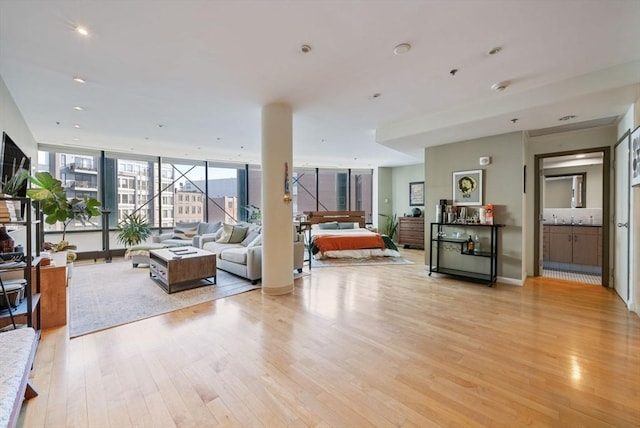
(182, 268)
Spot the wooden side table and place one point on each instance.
(53, 296)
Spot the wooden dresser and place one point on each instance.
(411, 232)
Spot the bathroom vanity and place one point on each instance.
(573, 247)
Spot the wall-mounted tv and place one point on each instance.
(12, 159)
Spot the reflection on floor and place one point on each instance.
(573, 276)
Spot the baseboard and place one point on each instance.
(510, 281)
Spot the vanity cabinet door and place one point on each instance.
(560, 244)
(585, 246)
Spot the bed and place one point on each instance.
(342, 234)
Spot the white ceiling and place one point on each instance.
(203, 70)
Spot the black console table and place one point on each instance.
(457, 234)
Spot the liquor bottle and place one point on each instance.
(470, 245)
(476, 245)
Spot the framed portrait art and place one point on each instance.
(467, 187)
(416, 193)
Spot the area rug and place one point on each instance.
(360, 262)
(105, 295)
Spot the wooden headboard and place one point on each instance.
(315, 217)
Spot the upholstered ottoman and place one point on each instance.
(139, 254)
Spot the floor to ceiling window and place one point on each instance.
(166, 190)
(332, 190)
(361, 192)
(304, 190)
(79, 172)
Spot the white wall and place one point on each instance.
(12, 122)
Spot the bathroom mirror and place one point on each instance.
(565, 191)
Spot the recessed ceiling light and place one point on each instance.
(76, 139)
(76, 125)
(453, 71)
(402, 48)
(514, 120)
(79, 79)
(500, 86)
(82, 30)
(495, 50)
(377, 95)
(79, 108)
(567, 117)
(305, 48)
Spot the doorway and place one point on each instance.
(572, 231)
(621, 217)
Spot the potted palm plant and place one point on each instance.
(133, 229)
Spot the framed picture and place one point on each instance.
(467, 187)
(416, 193)
(635, 157)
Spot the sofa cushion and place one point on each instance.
(251, 235)
(185, 230)
(217, 248)
(256, 242)
(204, 228)
(234, 255)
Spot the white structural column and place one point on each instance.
(277, 213)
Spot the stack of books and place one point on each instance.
(8, 211)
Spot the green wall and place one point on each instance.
(503, 187)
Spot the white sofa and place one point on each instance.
(244, 258)
(186, 234)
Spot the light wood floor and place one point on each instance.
(354, 347)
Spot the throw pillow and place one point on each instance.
(238, 234)
(219, 233)
(328, 226)
(225, 235)
(346, 226)
(251, 235)
(185, 230)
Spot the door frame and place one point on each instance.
(606, 209)
(625, 136)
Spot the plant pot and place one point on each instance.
(59, 258)
(69, 273)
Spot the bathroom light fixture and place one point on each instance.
(402, 48)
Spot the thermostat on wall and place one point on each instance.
(485, 160)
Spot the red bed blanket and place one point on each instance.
(356, 242)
